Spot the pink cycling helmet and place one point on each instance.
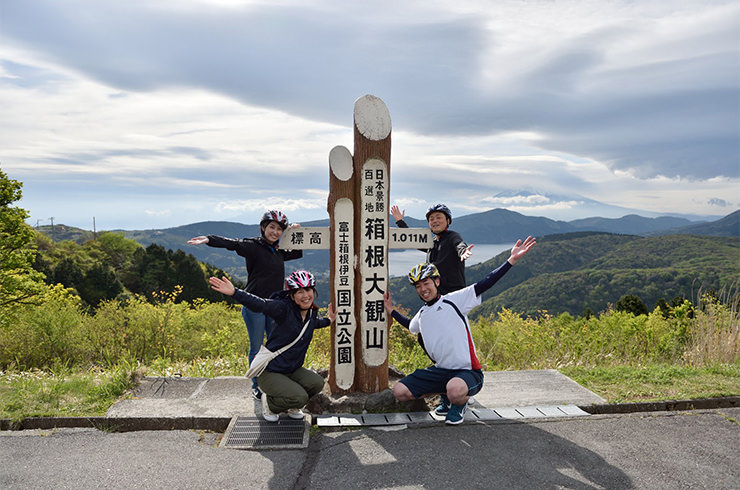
(299, 279)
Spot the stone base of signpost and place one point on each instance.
(358, 402)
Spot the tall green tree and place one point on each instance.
(19, 281)
(100, 283)
(631, 303)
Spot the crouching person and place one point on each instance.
(286, 385)
(456, 374)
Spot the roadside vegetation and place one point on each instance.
(80, 323)
(58, 359)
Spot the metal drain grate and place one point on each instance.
(257, 433)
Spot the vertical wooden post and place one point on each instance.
(343, 260)
(372, 161)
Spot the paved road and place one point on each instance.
(657, 450)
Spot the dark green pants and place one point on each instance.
(292, 390)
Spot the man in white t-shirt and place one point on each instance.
(443, 321)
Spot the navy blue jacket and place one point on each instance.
(265, 263)
(288, 324)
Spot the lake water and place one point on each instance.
(400, 262)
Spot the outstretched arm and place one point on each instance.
(519, 250)
(398, 215)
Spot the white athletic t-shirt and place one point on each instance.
(446, 329)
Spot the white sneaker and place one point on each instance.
(266, 413)
(295, 413)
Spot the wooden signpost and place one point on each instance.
(358, 238)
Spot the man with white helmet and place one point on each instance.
(457, 373)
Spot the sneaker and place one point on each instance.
(257, 393)
(266, 413)
(295, 413)
(456, 414)
(443, 407)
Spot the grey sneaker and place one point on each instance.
(443, 407)
(295, 413)
(266, 413)
(456, 414)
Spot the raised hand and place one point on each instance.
(388, 302)
(520, 249)
(396, 213)
(331, 312)
(467, 253)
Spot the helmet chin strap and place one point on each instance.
(430, 303)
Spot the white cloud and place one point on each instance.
(209, 102)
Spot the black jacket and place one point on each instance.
(265, 263)
(445, 254)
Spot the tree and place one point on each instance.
(19, 281)
(100, 283)
(68, 274)
(632, 304)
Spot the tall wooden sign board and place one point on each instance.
(359, 272)
(358, 238)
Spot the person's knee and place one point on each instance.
(457, 391)
(402, 393)
(300, 399)
(314, 387)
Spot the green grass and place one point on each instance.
(61, 393)
(624, 384)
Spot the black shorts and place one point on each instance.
(433, 380)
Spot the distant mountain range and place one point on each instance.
(623, 256)
(568, 207)
(494, 226)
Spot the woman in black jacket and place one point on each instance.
(265, 272)
(285, 383)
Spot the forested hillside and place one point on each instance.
(574, 272)
(652, 269)
(112, 266)
(577, 272)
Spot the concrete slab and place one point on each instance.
(227, 396)
(224, 396)
(484, 414)
(509, 413)
(530, 412)
(530, 388)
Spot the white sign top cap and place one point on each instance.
(372, 118)
(340, 162)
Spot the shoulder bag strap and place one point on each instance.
(286, 347)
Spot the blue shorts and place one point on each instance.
(433, 380)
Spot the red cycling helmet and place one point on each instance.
(276, 216)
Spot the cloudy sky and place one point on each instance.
(147, 114)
